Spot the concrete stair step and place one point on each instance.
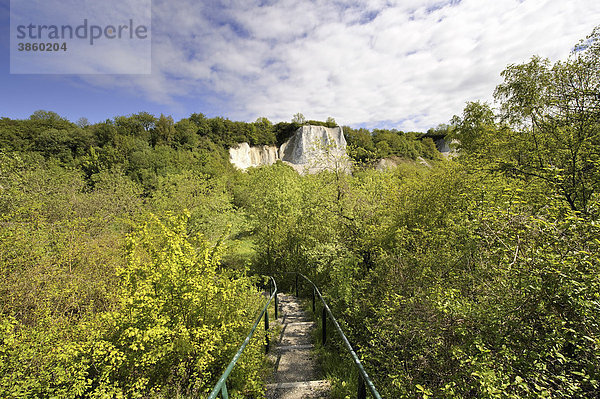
(315, 389)
(296, 334)
(296, 370)
(295, 347)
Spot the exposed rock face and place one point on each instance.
(387, 163)
(243, 156)
(315, 148)
(394, 161)
(443, 145)
(311, 141)
(311, 149)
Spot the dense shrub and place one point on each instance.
(176, 321)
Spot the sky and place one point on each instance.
(404, 64)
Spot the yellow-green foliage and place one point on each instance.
(176, 322)
(457, 281)
(100, 298)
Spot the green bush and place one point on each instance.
(176, 322)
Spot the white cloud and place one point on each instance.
(410, 64)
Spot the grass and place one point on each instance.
(239, 253)
(334, 359)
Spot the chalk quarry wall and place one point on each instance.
(310, 150)
(243, 156)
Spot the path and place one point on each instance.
(296, 371)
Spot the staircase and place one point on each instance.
(296, 371)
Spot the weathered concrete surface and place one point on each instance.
(297, 375)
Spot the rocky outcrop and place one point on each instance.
(311, 141)
(394, 161)
(387, 163)
(243, 156)
(315, 148)
(310, 150)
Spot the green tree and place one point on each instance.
(145, 119)
(274, 214)
(164, 131)
(83, 122)
(185, 134)
(475, 129)
(47, 116)
(383, 149)
(265, 131)
(298, 118)
(554, 110)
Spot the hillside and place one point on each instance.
(131, 251)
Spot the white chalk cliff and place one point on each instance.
(310, 150)
(243, 156)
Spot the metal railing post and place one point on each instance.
(276, 307)
(364, 382)
(324, 318)
(313, 298)
(362, 389)
(221, 386)
(224, 393)
(267, 331)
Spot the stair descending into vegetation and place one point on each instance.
(296, 371)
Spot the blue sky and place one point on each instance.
(408, 64)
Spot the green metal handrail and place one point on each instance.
(363, 377)
(222, 383)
